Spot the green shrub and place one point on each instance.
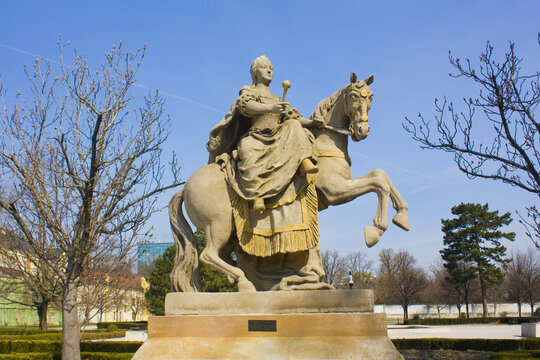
(29, 331)
(55, 347)
(87, 335)
(112, 327)
(27, 356)
(467, 344)
(515, 355)
(111, 346)
(103, 335)
(105, 356)
(29, 346)
(465, 321)
(127, 325)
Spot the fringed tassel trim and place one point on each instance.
(282, 241)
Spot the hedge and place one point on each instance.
(92, 335)
(105, 356)
(29, 346)
(516, 355)
(126, 325)
(27, 356)
(465, 321)
(111, 346)
(30, 331)
(467, 344)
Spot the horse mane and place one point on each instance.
(325, 105)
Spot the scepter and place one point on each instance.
(286, 85)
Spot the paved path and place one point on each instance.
(455, 331)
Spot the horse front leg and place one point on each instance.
(401, 219)
(339, 190)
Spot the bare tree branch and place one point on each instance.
(509, 102)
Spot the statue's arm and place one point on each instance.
(312, 122)
(250, 107)
(309, 123)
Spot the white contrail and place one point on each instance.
(436, 179)
(28, 53)
(181, 98)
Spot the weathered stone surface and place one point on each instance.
(269, 325)
(530, 330)
(297, 336)
(270, 302)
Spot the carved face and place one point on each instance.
(359, 98)
(264, 73)
(262, 70)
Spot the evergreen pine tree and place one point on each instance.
(472, 247)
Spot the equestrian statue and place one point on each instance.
(270, 172)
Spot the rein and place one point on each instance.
(337, 130)
(346, 132)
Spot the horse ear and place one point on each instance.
(353, 77)
(369, 79)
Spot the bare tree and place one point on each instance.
(29, 276)
(508, 101)
(333, 268)
(84, 159)
(440, 293)
(360, 266)
(399, 280)
(100, 293)
(523, 279)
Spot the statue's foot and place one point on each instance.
(258, 205)
(372, 234)
(246, 286)
(402, 220)
(308, 167)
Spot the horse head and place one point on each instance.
(358, 96)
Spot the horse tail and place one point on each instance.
(185, 276)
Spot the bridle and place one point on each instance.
(364, 94)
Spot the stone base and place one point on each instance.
(260, 335)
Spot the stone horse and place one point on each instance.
(208, 205)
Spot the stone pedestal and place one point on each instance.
(530, 330)
(338, 324)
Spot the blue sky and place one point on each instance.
(199, 53)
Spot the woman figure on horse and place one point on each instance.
(267, 154)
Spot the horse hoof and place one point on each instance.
(246, 286)
(402, 221)
(372, 234)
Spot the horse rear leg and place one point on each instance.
(217, 238)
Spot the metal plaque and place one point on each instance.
(262, 325)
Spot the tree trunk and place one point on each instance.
(70, 323)
(405, 313)
(484, 298)
(467, 300)
(519, 308)
(42, 314)
(532, 308)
